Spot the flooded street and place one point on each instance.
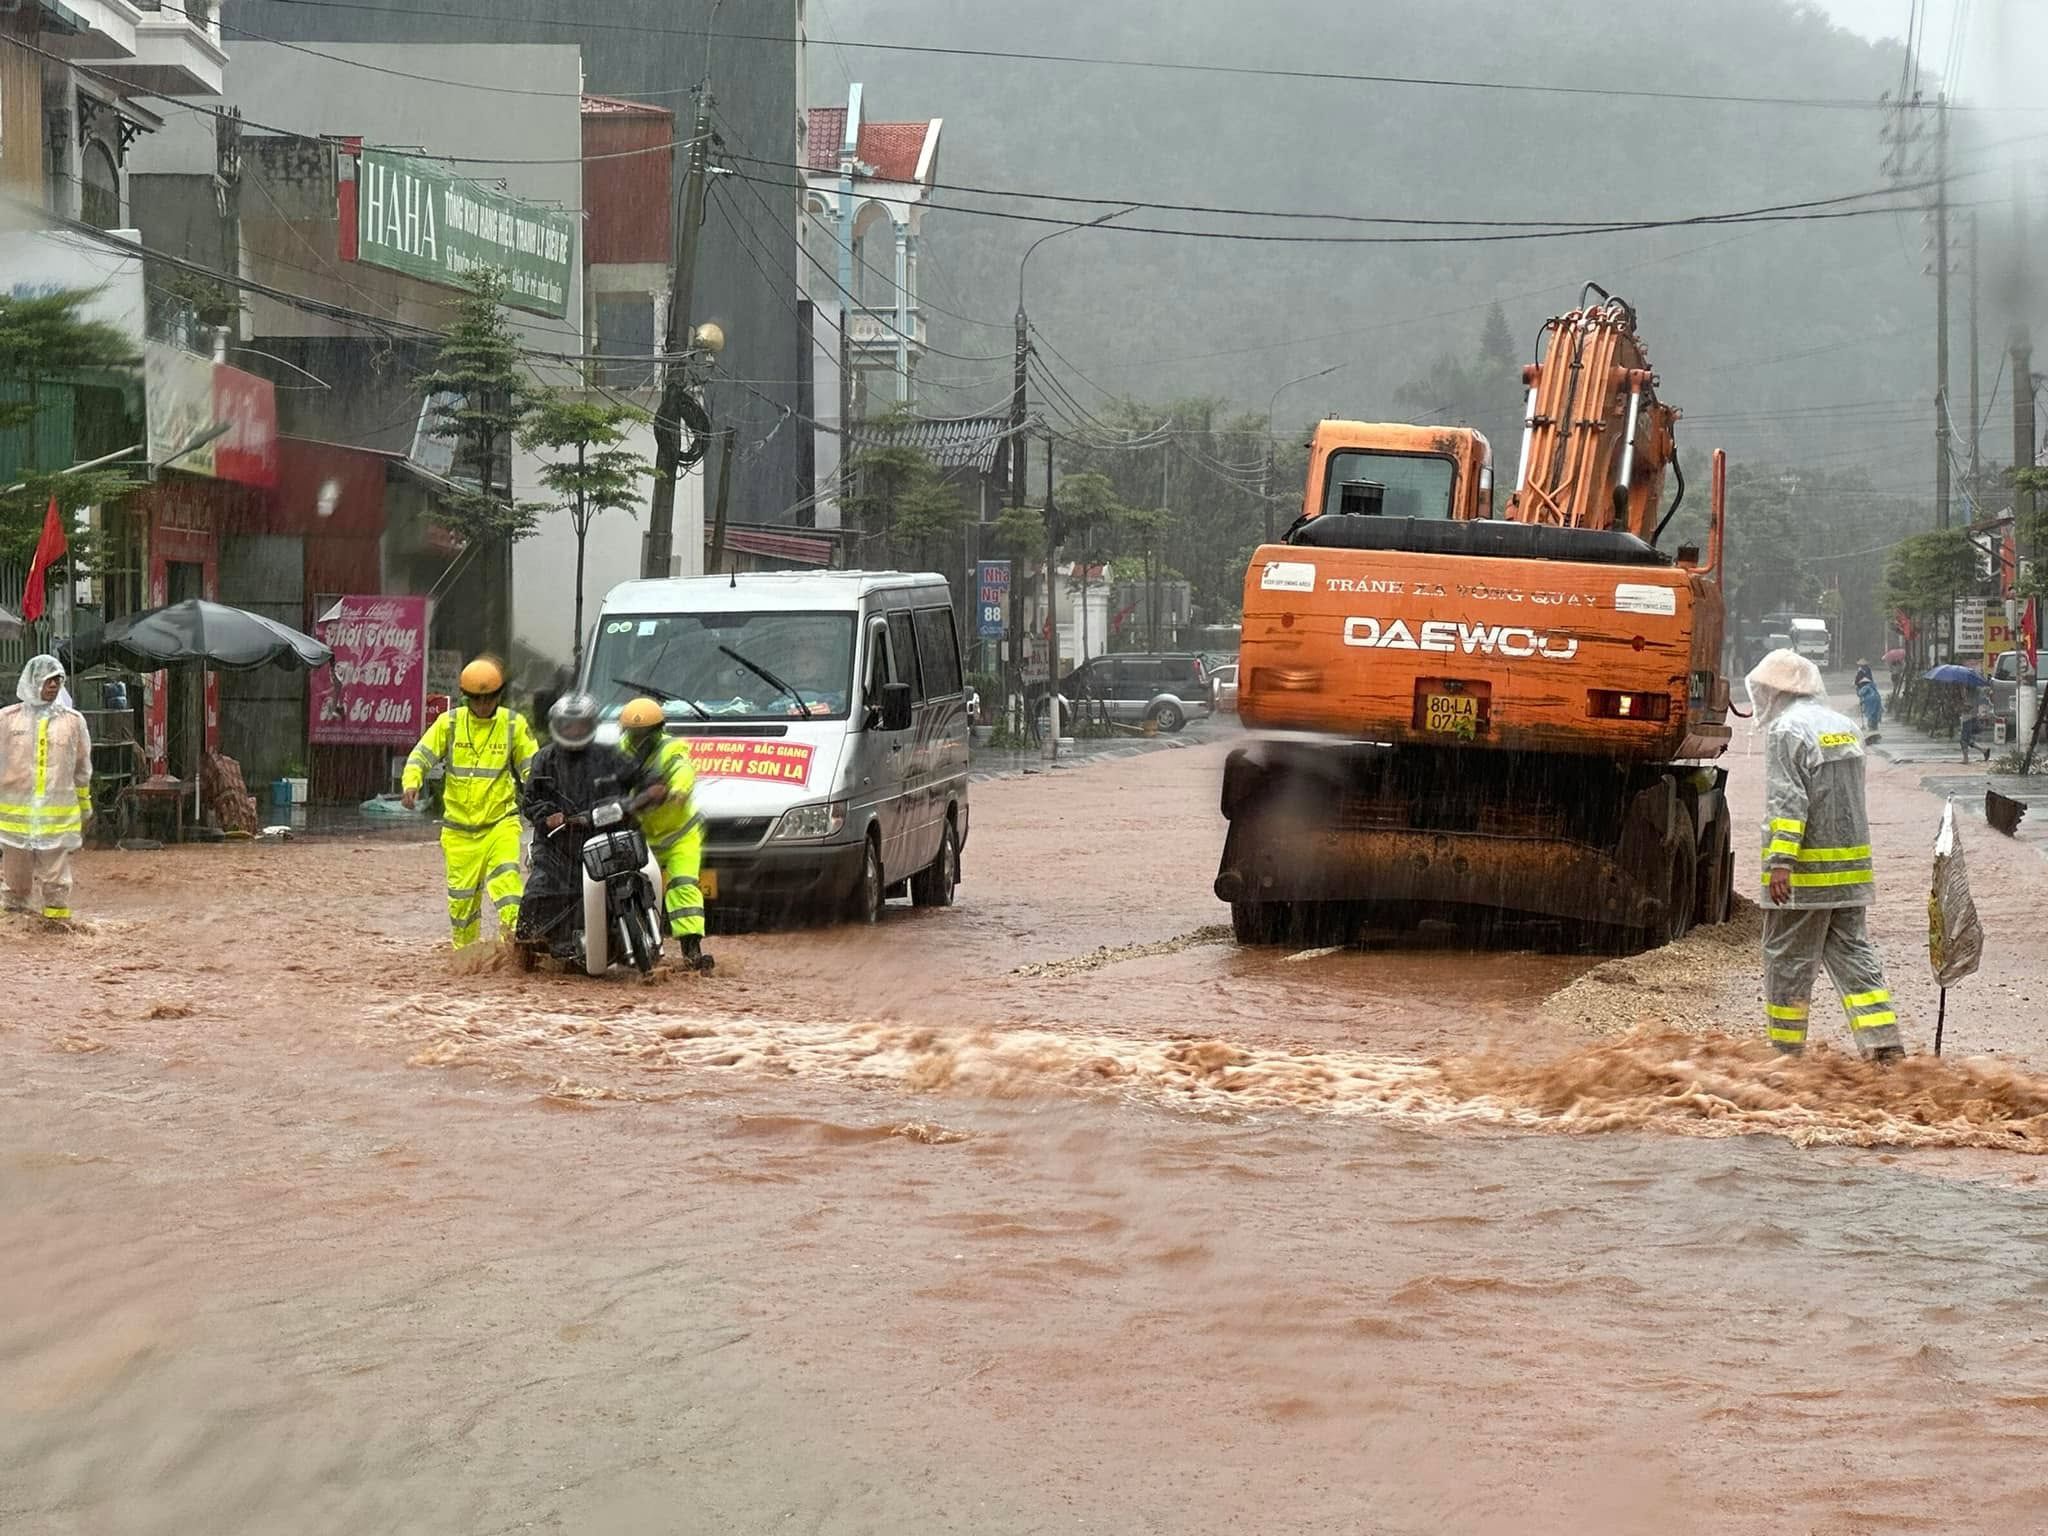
(1052, 1212)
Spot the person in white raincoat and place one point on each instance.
(45, 789)
(1818, 879)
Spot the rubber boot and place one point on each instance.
(694, 958)
(1885, 1055)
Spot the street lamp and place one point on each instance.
(1271, 406)
(1017, 466)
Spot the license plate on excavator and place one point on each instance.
(707, 884)
(1451, 714)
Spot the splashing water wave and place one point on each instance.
(1650, 1079)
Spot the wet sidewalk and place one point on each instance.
(1941, 769)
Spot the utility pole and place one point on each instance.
(2023, 443)
(1976, 372)
(1941, 422)
(1266, 484)
(675, 372)
(1052, 614)
(1155, 567)
(1018, 457)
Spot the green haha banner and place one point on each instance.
(420, 218)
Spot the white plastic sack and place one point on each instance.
(1955, 939)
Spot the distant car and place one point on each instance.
(2005, 686)
(1136, 687)
(1223, 688)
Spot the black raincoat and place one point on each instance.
(569, 784)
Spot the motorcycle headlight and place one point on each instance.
(610, 814)
(806, 823)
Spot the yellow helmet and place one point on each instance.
(482, 678)
(642, 715)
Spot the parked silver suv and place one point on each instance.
(1137, 686)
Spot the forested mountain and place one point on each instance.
(1750, 325)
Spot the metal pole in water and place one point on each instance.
(1940, 1020)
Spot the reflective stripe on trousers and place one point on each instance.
(23, 870)
(482, 865)
(682, 859)
(1797, 942)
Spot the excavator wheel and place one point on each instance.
(1683, 884)
(1716, 874)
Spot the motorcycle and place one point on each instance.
(622, 893)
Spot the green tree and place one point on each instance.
(1208, 469)
(2031, 532)
(1141, 534)
(1926, 573)
(904, 508)
(486, 398)
(589, 472)
(45, 340)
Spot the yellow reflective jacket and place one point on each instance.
(485, 763)
(45, 777)
(670, 762)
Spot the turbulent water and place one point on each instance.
(1659, 1080)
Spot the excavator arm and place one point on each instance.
(1596, 440)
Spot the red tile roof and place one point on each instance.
(827, 129)
(893, 149)
(614, 106)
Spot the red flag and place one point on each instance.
(2030, 630)
(50, 549)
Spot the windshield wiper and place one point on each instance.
(769, 678)
(662, 694)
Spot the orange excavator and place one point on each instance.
(1465, 714)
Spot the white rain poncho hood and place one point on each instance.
(29, 689)
(1781, 679)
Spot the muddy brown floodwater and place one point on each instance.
(1052, 1212)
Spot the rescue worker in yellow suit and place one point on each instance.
(674, 829)
(45, 789)
(483, 750)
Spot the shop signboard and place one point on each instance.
(375, 692)
(419, 217)
(991, 596)
(187, 397)
(1969, 630)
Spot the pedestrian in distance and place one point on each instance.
(1977, 724)
(675, 830)
(480, 751)
(1872, 702)
(45, 790)
(1818, 876)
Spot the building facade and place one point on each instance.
(659, 52)
(867, 185)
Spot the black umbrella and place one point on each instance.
(196, 632)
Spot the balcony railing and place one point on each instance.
(198, 12)
(877, 328)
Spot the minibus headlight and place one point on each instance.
(807, 823)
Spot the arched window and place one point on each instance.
(99, 186)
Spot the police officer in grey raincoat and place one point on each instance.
(1817, 875)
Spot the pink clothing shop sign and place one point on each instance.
(374, 695)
